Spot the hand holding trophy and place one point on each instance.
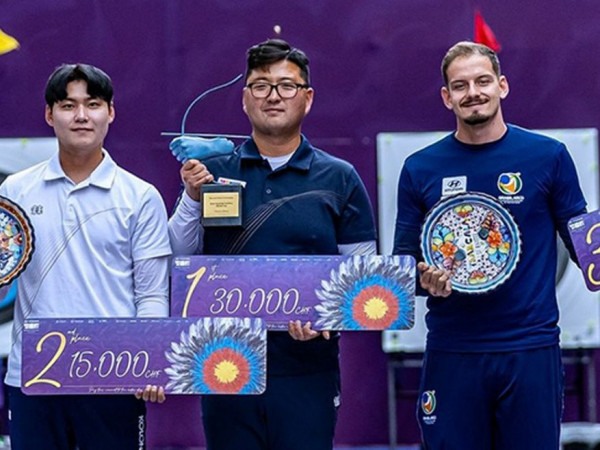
(185, 148)
(221, 201)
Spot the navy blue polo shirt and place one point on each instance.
(308, 206)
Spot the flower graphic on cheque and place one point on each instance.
(219, 356)
(368, 293)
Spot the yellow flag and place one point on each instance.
(7, 43)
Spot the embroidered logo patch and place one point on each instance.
(510, 183)
(454, 185)
(428, 404)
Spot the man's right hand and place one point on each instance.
(194, 174)
(185, 148)
(435, 281)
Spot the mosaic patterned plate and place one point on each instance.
(475, 238)
(16, 240)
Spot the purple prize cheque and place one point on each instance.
(585, 234)
(332, 292)
(120, 356)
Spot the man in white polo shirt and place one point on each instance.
(101, 250)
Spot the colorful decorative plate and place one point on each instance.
(16, 240)
(474, 237)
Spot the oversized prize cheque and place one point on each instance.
(216, 343)
(120, 356)
(585, 235)
(332, 292)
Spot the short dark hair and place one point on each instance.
(275, 50)
(99, 84)
(467, 48)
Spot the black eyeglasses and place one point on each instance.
(285, 90)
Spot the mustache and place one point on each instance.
(479, 100)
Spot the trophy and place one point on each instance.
(221, 201)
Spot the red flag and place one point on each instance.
(484, 34)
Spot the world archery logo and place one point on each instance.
(428, 402)
(510, 183)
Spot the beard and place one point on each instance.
(477, 119)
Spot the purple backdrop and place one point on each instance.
(375, 68)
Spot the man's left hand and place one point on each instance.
(153, 394)
(298, 332)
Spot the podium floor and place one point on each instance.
(376, 447)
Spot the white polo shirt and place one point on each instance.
(87, 239)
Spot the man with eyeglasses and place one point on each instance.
(297, 200)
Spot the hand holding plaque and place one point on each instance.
(221, 201)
